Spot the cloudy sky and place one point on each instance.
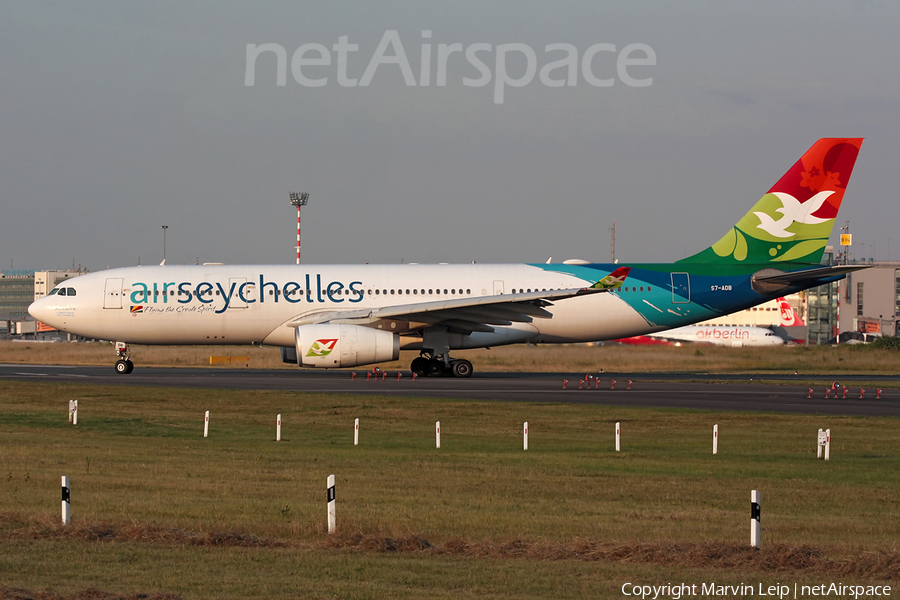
(117, 118)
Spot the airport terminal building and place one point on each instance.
(18, 289)
(870, 299)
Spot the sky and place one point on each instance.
(118, 118)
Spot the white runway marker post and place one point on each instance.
(716, 438)
(526, 435)
(755, 530)
(66, 507)
(827, 444)
(820, 443)
(332, 524)
(206, 425)
(618, 432)
(437, 434)
(356, 432)
(75, 413)
(278, 428)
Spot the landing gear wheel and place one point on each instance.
(419, 366)
(461, 368)
(435, 368)
(124, 366)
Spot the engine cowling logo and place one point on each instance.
(321, 347)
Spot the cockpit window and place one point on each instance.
(53, 292)
(62, 292)
(71, 291)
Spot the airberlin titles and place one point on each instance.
(247, 292)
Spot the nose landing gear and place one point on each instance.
(124, 366)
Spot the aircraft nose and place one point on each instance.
(41, 310)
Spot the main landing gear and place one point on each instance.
(124, 366)
(441, 366)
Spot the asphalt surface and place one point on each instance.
(709, 392)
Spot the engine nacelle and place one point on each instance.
(334, 345)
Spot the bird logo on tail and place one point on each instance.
(793, 212)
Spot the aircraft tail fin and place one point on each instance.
(792, 222)
(789, 316)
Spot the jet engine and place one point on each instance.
(335, 345)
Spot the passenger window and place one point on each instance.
(468, 291)
(376, 292)
(430, 292)
(415, 291)
(445, 291)
(649, 289)
(642, 288)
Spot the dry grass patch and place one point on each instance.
(881, 565)
(12, 593)
(565, 358)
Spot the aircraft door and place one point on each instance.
(681, 288)
(498, 287)
(112, 293)
(235, 283)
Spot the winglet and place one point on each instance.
(614, 280)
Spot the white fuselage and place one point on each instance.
(722, 335)
(244, 304)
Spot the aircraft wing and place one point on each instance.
(465, 314)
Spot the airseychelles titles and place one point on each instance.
(245, 292)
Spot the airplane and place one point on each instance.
(725, 335)
(722, 335)
(331, 316)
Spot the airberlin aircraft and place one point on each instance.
(724, 335)
(331, 316)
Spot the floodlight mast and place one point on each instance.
(298, 200)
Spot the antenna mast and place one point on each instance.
(612, 231)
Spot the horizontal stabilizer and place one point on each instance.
(772, 280)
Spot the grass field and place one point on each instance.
(159, 509)
(697, 358)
